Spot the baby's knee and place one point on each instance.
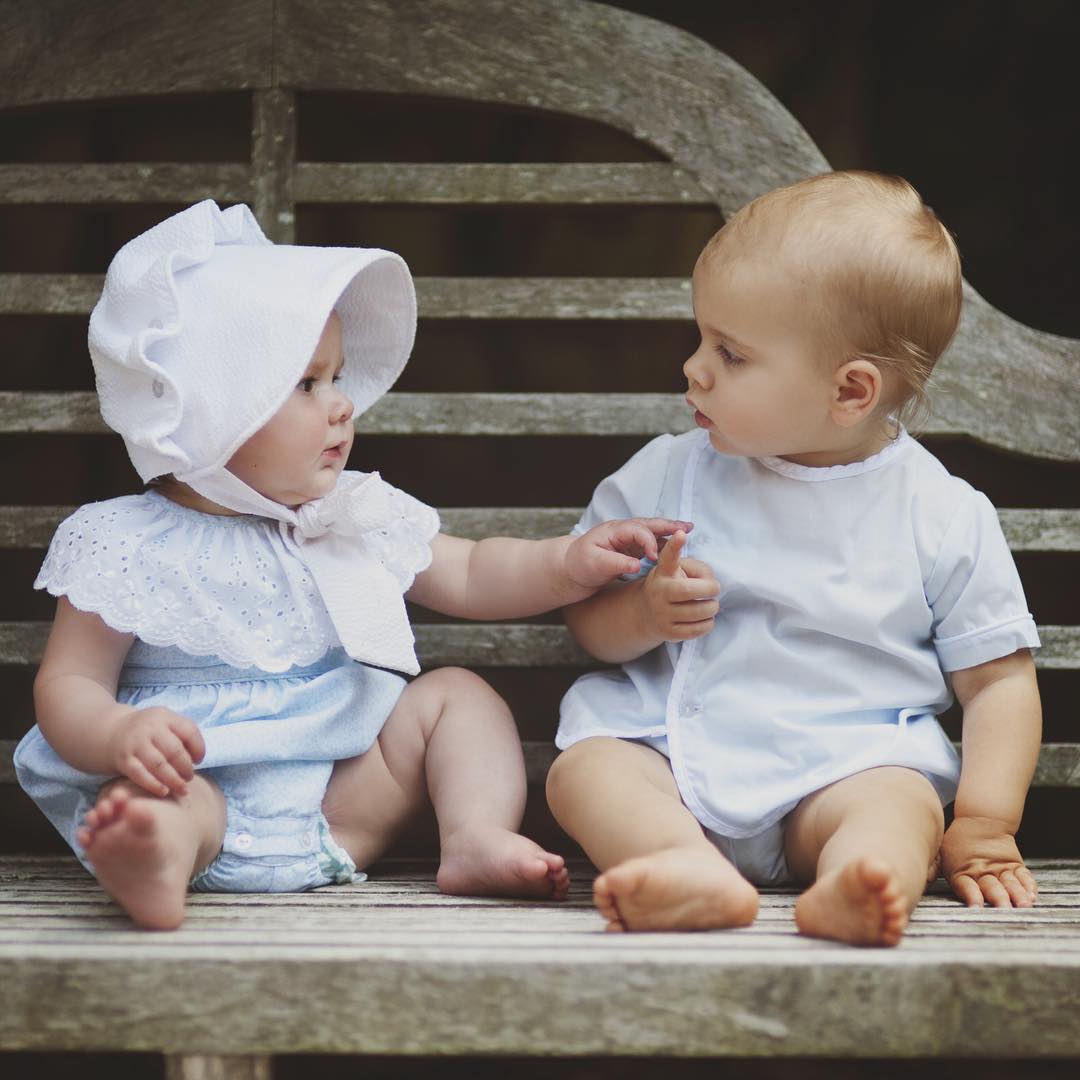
(915, 790)
(450, 684)
(575, 769)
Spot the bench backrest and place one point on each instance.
(706, 137)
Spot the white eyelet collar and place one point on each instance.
(812, 474)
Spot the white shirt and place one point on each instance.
(847, 592)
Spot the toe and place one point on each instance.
(875, 875)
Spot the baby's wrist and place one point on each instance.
(568, 588)
(964, 820)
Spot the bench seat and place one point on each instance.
(392, 966)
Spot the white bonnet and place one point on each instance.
(204, 327)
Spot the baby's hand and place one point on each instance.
(980, 860)
(156, 749)
(679, 595)
(615, 548)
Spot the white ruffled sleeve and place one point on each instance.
(974, 590)
(403, 546)
(212, 586)
(89, 558)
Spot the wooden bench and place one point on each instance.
(393, 967)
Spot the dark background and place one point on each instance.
(974, 101)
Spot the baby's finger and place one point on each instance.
(190, 735)
(139, 774)
(1027, 879)
(668, 563)
(680, 590)
(693, 611)
(635, 535)
(658, 528)
(994, 891)
(175, 753)
(965, 887)
(695, 568)
(164, 771)
(1018, 893)
(603, 565)
(691, 630)
(704, 580)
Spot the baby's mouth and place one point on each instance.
(700, 418)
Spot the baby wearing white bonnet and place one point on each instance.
(222, 703)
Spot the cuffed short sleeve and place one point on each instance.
(974, 590)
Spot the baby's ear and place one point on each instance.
(856, 391)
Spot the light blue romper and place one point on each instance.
(271, 737)
(271, 743)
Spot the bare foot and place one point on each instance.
(491, 861)
(136, 859)
(693, 888)
(861, 903)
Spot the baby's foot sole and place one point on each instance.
(676, 889)
(135, 861)
(860, 904)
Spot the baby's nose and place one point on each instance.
(696, 373)
(343, 409)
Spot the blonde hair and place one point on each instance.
(883, 273)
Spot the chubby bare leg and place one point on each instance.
(869, 843)
(619, 800)
(452, 739)
(145, 848)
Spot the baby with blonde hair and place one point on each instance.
(774, 718)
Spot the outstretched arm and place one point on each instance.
(507, 578)
(77, 711)
(675, 602)
(1002, 732)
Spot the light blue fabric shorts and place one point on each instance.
(271, 743)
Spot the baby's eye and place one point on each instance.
(730, 358)
(307, 385)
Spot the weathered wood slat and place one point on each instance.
(634, 183)
(1025, 530)
(438, 297)
(461, 976)
(1041, 530)
(49, 294)
(420, 183)
(97, 185)
(94, 52)
(410, 920)
(76, 413)
(33, 526)
(1058, 766)
(527, 414)
(273, 154)
(508, 645)
(217, 1067)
